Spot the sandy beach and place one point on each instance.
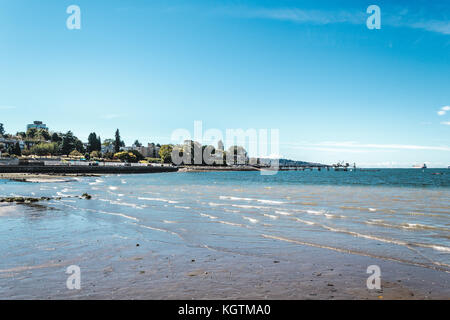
(208, 236)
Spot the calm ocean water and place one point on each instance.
(396, 214)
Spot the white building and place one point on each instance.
(151, 151)
(37, 125)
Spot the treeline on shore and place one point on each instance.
(36, 142)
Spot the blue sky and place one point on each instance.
(312, 69)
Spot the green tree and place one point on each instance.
(43, 134)
(75, 153)
(93, 143)
(21, 134)
(2, 129)
(17, 150)
(108, 142)
(55, 137)
(108, 155)
(79, 146)
(137, 143)
(44, 149)
(138, 155)
(165, 153)
(95, 154)
(68, 143)
(31, 133)
(117, 141)
(126, 156)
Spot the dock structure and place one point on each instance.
(311, 167)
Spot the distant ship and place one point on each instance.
(418, 166)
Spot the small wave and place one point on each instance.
(112, 214)
(310, 223)
(422, 226)
(250, 199)
(213, 204)
(270, 216)
(231, 223)
(315, 212)
(234, 198)
(252, 220)
(158, 199)
(409, 226)
(113, 188)
(159, 229)
(440, 248)
(208, 216)
(438, 267)
(269, 201)
(244, 206)
(231, 211)
(120, 203)
(97, 181)
(393, 241)
(283, 213)
(182, 207)
(309, 211)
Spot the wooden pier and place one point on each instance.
(318, 167)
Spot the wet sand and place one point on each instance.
(41, 178)
(150, 267)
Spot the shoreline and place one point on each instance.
(66, 170)
(43, 177)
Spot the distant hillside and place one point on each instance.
(287, 162)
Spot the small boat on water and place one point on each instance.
(418, 166)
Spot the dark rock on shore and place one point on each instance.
(31, 199)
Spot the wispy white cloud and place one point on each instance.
(388, 146)
(443, 110)
(403, 18)
(346, 146)
(296, 15)
(433, 26)
(447, 123)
